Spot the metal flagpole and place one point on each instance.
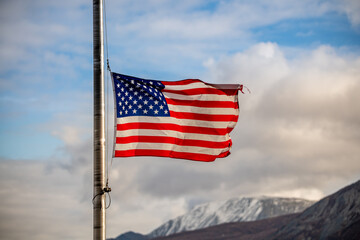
(99, 124)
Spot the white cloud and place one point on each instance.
(299, 120)
(38, 204)
(352, 9)
(184, 21)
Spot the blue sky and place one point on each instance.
(298, 131)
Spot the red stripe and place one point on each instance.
(197, 91)
(174, 127)
(181, 82)
(172, 140)
(171, 154)
(204, 117)
(207, 104)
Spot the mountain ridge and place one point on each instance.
(335, 217)
(219, 212)
(327, 218)
(233, 210)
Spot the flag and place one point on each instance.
(187, 119)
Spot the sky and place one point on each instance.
(298, 133)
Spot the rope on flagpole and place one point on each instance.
(106, 38)
(107, 189)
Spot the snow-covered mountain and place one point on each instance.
(334, 217)
(233, 210)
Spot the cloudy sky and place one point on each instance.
(298, 133)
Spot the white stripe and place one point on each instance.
(200, 84)
(182, 122)
(169, 147)
(193, 85)
(172, 133)
(203, 110)
(201, 97)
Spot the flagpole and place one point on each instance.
(99, 124)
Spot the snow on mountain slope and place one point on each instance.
(233, 210)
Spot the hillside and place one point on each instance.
(334, 217)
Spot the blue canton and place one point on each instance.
(139, 97)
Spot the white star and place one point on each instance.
(131, 89)
(126, 102)
(130, 98)
(119, 94)
(120, 103)
(135, 102)
(151, 83)
(136, 93)
(145, 111)
(150, 90)
(122, 89)
(126, 93)
(140, 98)
(151, 107)
(156, 111)
(126, 111)
(132, 82)
(134, 111)
(126, 84)
(145, 102)
(139, 106)
(130, 107)
(156, 102)
(118, 85)
(151, 98)
(123, 107)
(120, 112)
(123, 98)
(166, 111)
(161, 107)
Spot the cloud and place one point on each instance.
(184, 21)
(183, 34)
(299, 122)
(352, 9)
(40, 205)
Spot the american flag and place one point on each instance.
(187, 119)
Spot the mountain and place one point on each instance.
(130, 236)
(233, 210)
(253, 230)
(336, 217)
